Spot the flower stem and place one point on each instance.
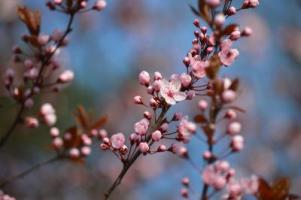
(28, 171)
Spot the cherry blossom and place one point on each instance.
(170, 91)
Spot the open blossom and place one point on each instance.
(186, 129)
(251, 3)
(141, 127)
(198, 66)
(170, 91)
(5, 196)
(227, 55)
(117, 140)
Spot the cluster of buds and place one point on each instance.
(152, 132)
(222, 177)
(73, 143)
(69, 6)
(47, 115)
(5, 196)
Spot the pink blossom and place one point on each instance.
(66, 77)
(227, 55)
(228, 96)
(156, 135)
(57, 142)
(185, 79)
(250, 185)
(54, 132)
(234, 128)
(138, 100)
(143, 147)
(203, 105)
(219, 19)
(100, 5)
(237, 143)
(31, 122)
(157, 76)
(144, 78)
(170, 91)
(141, 127)
(198, 66)
(117, 140)
(186, 128)
(74, 153)
(85, 150)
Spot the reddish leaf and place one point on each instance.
(32, 19)
(229, 29)
(99, 123)
(82, 117)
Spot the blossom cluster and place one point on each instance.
(152, 129)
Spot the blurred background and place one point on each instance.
(107, 51)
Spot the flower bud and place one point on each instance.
(144, 78)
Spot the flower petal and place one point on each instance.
(180, 96)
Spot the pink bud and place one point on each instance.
(138, 100)
(231, 11)
(247, 32)
(74, 153)
(203, 105)
(237, 143)
(143, 147)
(162, 148)
(228, 96)
(164, 127)
(157, 85)
(85, 151)
(184, 193)
(102, 133)
(156, 136)
(185, 79)
(235, 35)
(57, 142)
(28, 103)
(186, 61)
(219, 19)
(183, 152)
(153, 103)
(234, 128)
(133, 137)
(100, 5)
(43, 39)
(231, 114)
(83, 4)
(147, 115)
(144, 78)
(220, 182)
(157, 76)
(117, 140)
(141, 127)
(207, 155)
(54, 132)
(196, 22)
(31, 122)
(104, 146)
(66, 77)
(185, 181)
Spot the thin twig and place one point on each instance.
(45, 62)
(28, 171)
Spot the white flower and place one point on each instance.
(170, 91)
